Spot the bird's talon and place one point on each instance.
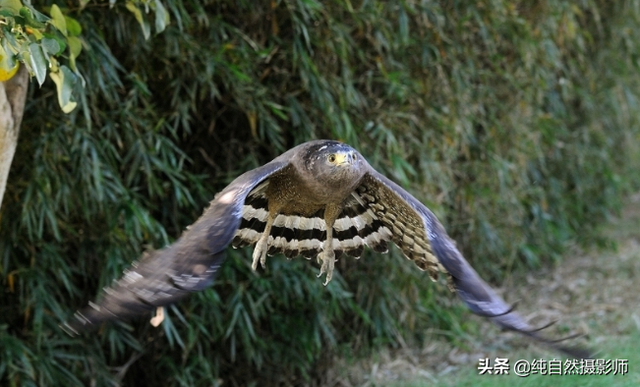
(328, 262)
(259, 255)
(254, 264)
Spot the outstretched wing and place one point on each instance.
(293, 235)
(421, 237)
(190, 264)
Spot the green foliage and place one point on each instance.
(40, 42)
(514, 122)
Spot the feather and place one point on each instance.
(367, 210)
(438, 253)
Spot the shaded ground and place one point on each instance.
(596, 293)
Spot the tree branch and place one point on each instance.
(13, 94)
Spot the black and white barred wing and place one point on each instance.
(190, 264)
(421, 237)
(294, 235)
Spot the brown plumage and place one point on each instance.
(320, 199)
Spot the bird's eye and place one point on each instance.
(332, 158)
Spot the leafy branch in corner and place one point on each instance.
(51, 44)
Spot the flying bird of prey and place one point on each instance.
(320, 199)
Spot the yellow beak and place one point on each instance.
(341, 158)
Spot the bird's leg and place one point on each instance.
(328, 256)
(260, 251)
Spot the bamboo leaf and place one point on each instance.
(137, 13)
(162, 16)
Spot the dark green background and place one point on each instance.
(516, 122)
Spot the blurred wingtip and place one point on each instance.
(512, 321)
(75, 325)
(576, 352)
(68, 329)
